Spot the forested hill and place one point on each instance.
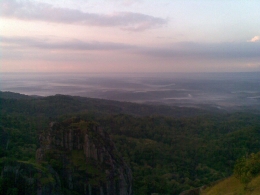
(169, 149)
(57, 105)
(11, 95)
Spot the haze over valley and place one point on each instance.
(218, 90)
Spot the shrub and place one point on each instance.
(247, 168)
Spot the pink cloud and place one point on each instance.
(45, 12)
(255, 39)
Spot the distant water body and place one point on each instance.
(183, 89)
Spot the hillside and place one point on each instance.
(232, 186)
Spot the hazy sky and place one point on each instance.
(129, 35)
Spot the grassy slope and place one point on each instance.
(232, 186)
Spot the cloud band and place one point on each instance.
(44, 12)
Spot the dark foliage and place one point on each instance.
(169, 149)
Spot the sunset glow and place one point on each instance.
(129, 36)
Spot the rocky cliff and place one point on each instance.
(85, 159)
(75, 158)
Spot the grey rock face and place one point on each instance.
(85, 159)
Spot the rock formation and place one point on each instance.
(85, 159)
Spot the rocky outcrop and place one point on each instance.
(85, 159)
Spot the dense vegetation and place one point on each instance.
(169, 155)
(169, 149)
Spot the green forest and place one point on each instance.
(169, 149)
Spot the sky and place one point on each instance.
(129, 36)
